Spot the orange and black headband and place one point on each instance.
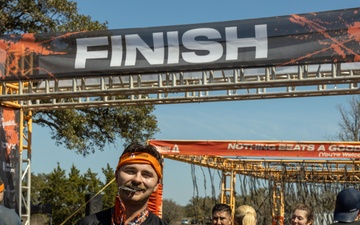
(2, 187)
(142, 158)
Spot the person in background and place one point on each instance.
(302, 215)
(347, 207)
(245, 215)
(221, 215)
(7, 216)
(138, 174)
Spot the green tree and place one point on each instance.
(88, 130)
(38, 184)
(66, 193)
(93, 184)
(82, 130)
(171, 211)
(42, 16)
(76, 185)
(199, 208)
(57, 194)
(111, 190)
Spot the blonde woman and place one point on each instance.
(245, 215)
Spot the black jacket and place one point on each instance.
(104, 218)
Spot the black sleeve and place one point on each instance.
(100, 218)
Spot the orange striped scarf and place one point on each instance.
(119, 216)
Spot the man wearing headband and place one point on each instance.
(7, 216)
(138, 174)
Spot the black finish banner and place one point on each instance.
(10, 155)
(312, 38)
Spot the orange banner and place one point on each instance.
(261, 149)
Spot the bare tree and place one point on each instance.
(350, 120)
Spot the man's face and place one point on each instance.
(140, 177)
(221, 218)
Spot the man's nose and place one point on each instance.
(137, 177)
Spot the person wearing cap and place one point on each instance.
(347, 207)
(7, 216)
(138, 175)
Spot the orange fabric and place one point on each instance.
(2, 187)
(155, 201)
(140, 157)
(119, 216)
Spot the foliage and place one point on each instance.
(82, 130)
(66, 193)
(37, 185)
(88, 130)
(109, 193)
(171, 211)
(350, 120)
(61, 194)
(42, 16)
(200, 208)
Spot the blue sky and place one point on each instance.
(296, 119)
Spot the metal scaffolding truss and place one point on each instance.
(185, 87)
(310, 171)
(276, 171)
